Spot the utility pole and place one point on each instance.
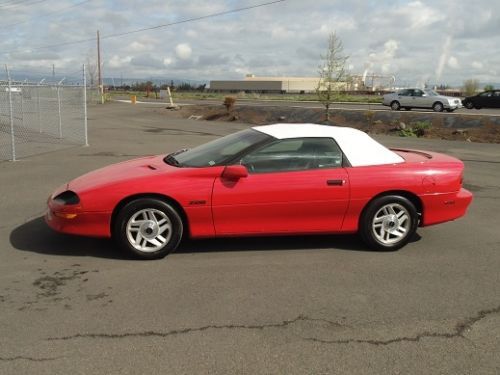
(101, 87)
(53, 72)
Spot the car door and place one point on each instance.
(405, 98)
(496, 99)
(293, 186)
(485, 99)
(420, 100)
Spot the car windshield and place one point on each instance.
(431, 93)
(219, 151)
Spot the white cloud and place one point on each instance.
(453, 62)
(280, 32)
(140, 47)
(183, 51)
(477, 65)
(383, 61)
(435, 39)
(118, 62)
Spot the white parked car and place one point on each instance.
(417, 98)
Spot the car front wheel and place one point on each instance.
(395, 106)
(438, 107)
(388, 223)
(469, 105)
(148, 228)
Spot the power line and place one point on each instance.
(11, 3)
(21, 3)
(46, 14)
(192, 19)
(212, 15)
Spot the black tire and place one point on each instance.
(438, 107)
(142, 225)
(395, 106)
(469, 105)
(375, 223)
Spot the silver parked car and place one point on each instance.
(416, 98)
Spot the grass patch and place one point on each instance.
(198, 95)
(416, 129)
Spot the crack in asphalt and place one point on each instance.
(173, 332)
(22, 358)
(459, 331)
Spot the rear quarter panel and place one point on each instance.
(430, 177)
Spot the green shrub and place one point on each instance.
(416, 129)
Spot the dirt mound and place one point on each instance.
(485, 129)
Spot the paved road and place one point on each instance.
(335, 106)
(307, 305)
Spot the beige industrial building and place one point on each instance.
(279, 84)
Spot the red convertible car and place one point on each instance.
(266, 180)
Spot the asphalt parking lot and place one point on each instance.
(301, 305)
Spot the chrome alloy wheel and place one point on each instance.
(149, 230)
(391, 223)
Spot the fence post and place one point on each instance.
(38, 107)
(11, 115)
(22, 105)
(85, 125)
(59, 111)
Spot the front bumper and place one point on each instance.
(72, 219)
(453, 105)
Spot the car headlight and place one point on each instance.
(67, 197)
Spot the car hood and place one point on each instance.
(121, 173)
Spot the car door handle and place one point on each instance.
(335, 182)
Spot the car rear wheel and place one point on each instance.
(395, 106)
(148, 228)
(469, 105)
(437, 107)
(388, 223)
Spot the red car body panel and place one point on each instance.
(311, 201)
(285, 202)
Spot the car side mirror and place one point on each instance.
(235, 172)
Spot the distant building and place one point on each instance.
(252, 83)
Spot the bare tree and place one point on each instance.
(332, 72)
(471, 86)
(91, 70)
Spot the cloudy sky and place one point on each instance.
(436, 41)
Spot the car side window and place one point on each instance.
(497, 93)
(485, 94)
(418, 93)
(294, 155)
(405, 92)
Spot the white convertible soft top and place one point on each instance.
(359, 148)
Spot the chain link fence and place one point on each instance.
(37, 118)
